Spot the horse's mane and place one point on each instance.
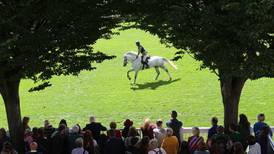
(131, 53)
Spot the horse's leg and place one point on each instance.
(158, 72)
(128, 73)
(166, 70)
(135, 77)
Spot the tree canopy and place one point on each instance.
(40, 38)
(234, 39)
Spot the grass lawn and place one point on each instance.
(107, 93)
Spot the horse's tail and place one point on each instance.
(170, 63)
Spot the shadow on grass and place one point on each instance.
(153, 85)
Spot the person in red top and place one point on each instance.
(147, 129)
(113, 127)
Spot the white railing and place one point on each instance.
(203, 130)
(187, 131)
(271, 145)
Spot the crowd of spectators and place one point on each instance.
(152, 138)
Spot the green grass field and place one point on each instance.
(107, 93)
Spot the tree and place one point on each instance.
(45, 38)
(234, 39)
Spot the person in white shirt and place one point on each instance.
(80, 149)
(254, 148)
(154, 147)
(159, 131)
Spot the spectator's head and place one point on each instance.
(111, 133)
(238, 148)
(113, 125)
(173, 114)
(92, 119)
(261, 117)
(40, 132)
(25, 121)
(46, 124)
(134, 141)
(220, 130)
(216, 149)
(63, 122)
(28, 132)
(75, 129)
(132, 132)
(159, 123)
(128, 123)
(153, 144)
(34, 132)
(202, 146)
(145, 140)
(214, 121)
(196, 131)
(244, 121)
(33, 146)
(7, 147)
(3, 133)
(146, 123)
(232, 128)
(251, 140)
(88, 139)
(169, 132)
(88, 134)
(144, 144)
(79, 128)
(62, 129)
(79, 142)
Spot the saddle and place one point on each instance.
(147, 58)
(145, 62)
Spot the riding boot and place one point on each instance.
(147, 66)
(144, 64)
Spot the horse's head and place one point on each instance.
(129, 56)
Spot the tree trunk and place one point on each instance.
(10, 94)
(231, 89)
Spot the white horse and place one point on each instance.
(154, 61)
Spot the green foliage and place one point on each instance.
(43, 38)
(231, 38)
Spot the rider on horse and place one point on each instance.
(144, 57)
